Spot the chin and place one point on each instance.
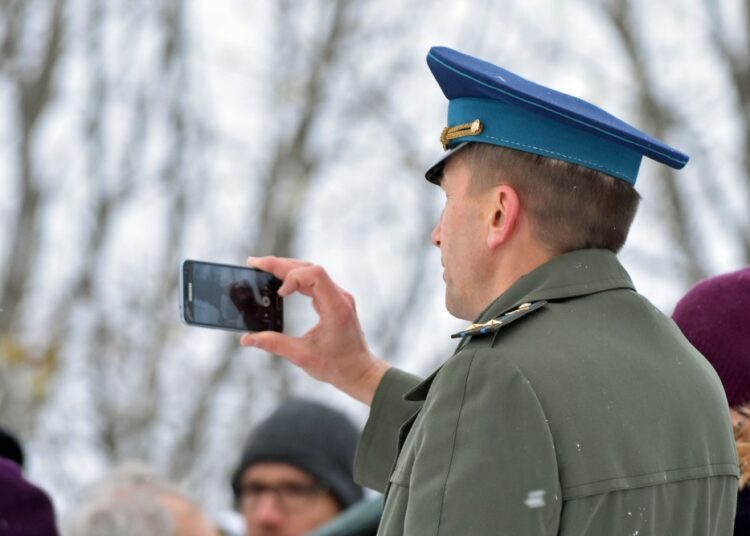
(457, 309)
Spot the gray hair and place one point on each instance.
(126, 503)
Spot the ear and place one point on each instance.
(504, 210)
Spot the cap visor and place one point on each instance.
(435, 173)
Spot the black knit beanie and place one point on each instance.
(10, 447)
(310, 436)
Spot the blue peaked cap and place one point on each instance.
(488, 104)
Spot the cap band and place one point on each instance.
(518, 127)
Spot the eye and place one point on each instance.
(254, 490)
(296, 489)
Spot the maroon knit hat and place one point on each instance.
(715, 317)
(25, 510)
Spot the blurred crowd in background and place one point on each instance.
(293, 477)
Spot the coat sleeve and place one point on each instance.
(377, 447)
(484, 460)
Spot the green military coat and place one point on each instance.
(587, 416)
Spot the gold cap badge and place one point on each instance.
(459, 131)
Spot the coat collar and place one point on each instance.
(577, 273)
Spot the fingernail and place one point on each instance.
(247, 341)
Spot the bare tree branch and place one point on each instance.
(737, 64)
(33, 91)
(658, 119)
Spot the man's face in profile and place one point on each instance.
(460, 234)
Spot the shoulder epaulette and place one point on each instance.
(496, 323)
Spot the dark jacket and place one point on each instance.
(742, 520)
(590, 415)
(360, 519)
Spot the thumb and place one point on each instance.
(290, 348)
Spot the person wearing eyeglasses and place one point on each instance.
(295, 473)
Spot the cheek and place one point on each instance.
(459, 225)
(447, 223)
(323, 512)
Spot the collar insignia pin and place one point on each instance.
(495, 324)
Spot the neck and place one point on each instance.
(514, 261)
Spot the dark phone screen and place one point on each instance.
(232, 297)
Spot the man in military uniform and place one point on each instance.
(571, 406)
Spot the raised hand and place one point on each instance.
(334, 350)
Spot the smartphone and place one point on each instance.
(234, 298)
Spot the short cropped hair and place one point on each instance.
(571, 207)
(126, 503)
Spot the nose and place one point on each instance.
(435, 234)
(267, 512)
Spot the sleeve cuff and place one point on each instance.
(378, 445)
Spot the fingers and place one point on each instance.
(278, 266)
(305, 278)
(313, 281)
